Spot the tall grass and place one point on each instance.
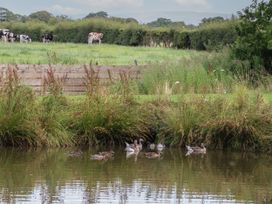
(24, 122)
(240, 121)
(106, 118)
(194, 74)
(204, 73)
(17, 117)
(51, 112)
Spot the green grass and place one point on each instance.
(69, 53)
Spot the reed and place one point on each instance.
(51, 114)
(111, 115)
(239, 122)
(106, 117)
(17, 117)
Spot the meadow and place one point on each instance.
(71, 54)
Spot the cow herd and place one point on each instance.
(8, 36)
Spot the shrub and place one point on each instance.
(254, 31)
(211, 36)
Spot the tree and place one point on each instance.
(42, 16)
(124, 20)
(160, 22)
(165, 22)
(255, 35)
(212, 20)
(6, 15)
(101, 14)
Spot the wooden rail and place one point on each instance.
(74, 76)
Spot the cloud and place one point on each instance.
(58, 9)
(193, 3)
(106, 4)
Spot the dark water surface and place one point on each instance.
(51, 176)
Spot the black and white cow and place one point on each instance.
(94, 36)
(47, 37)
(11, 37)
(24, 39)
(4, 35)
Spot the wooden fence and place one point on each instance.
(73, 77)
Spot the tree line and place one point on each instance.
(128, 31)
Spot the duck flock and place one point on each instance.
(154, 151)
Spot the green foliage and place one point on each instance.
(164, 22)
(239, 122)
(129, 32)
(17, 123)
(44, 16)
(254, 41)
(6, 15)
(211, 20)
(109, 120)
(193, 74)
(101, 14)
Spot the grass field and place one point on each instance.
(68, 53)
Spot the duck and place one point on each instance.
(140, 144)
(152, 146)
(75, 153)
(131, 147)
(153, 155)
(160, 147)
(196, 150)
(102, 156)
(98, 157)
(108, 153)
(134, 148)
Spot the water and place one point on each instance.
(51, 176)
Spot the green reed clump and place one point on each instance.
(107, 118)
(17, 113)
(181, 121)
(240, 121)
(52, 112)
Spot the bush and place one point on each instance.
(210, 36)
(254, 31)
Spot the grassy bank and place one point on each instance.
(195, 99)
(241, 121)
(69, 53)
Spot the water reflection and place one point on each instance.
(50, 176)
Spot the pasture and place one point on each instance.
(74, 54)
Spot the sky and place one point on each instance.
(190, 11)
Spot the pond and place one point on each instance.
(53, 176)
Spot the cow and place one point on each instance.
(94, 36)
(25, 39)
(4, 33)
(11, 37)
(47, 37)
